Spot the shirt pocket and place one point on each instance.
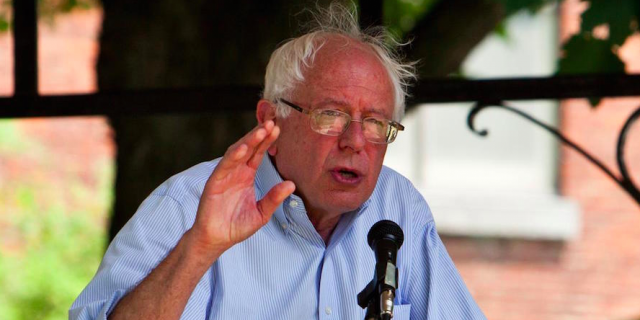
(401, 312)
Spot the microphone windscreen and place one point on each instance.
(385, 229)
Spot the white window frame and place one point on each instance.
(503, 185)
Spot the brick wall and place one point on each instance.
(67, 54)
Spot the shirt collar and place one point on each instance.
(267, 177)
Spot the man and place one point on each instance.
(277, 227)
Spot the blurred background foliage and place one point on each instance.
(52, 237)
(401, 16)
(606, 25)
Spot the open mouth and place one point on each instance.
(344, 175)
(347, 174)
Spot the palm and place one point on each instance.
(228, 212)
(241, 216)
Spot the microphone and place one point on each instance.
(385, 239)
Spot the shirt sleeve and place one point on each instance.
(437, 290)
(137, 249)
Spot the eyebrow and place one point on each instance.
(341, 103)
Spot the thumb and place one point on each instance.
(274, 198)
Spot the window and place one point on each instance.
(504, 184)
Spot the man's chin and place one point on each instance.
(345, 202)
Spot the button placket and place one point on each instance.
(327, 302)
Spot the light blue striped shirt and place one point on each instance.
(285, 270)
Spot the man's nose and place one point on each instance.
(353, 138)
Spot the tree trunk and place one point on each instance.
(449, 31)
(172, 43)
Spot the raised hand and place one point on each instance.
(228, 211)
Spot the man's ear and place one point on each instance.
(265, 111)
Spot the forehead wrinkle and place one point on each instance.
(342, 103)
(331, 101)
(353, 59)
(338, 45)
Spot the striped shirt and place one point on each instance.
(285, 270)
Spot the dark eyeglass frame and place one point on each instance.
(391, 136)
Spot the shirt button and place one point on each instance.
(327, 310)
(284, 226)
(293, 203)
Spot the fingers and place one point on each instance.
(255, 137)
(239, 152)
(243, 149)
(257, 156)
(274, 198)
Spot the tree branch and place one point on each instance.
(446, 35)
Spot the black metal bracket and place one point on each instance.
(624, 180)
(25, 49)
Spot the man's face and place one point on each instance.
(334, 175)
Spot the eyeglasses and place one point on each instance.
(334, 122)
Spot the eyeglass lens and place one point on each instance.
(334, 123)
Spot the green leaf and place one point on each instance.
(401, 16)
(584, 54)
(501, 30)
(588, 55)
(621, 16)
(4, 25)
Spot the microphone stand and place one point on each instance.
(367, 298)
(378, 295)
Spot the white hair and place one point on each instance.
(287, 63)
